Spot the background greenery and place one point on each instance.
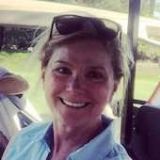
(148, 51)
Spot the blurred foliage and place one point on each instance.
(148, 51)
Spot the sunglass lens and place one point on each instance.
(68, 25)
(110, 34)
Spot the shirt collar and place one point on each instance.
(43, 134)
(48, 137)
(92, 150)
(95, 148)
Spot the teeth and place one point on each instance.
(74, 104)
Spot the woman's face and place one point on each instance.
(78, 82)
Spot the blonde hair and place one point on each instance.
(118, 49)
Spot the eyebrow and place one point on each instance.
(91, 67)
(63, 62)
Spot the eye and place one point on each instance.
(63, 70)
(95, 76)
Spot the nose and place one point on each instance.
(74, 83)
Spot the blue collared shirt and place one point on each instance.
(33, 143)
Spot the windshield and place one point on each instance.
(39, 13)
(148, 56)
(22, 15)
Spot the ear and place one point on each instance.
(43, 74)
(116, 83)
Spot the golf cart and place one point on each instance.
(139, 121)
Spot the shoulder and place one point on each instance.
(34, 128)
(26, 137)
(32, 132)
(115, 151)
(118, 152)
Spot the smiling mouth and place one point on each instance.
(76, 105)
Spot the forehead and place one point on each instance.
(83, 51)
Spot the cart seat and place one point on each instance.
(146, 136)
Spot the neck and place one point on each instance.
(69, 138)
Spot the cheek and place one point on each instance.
(102, 93)
(52, 86)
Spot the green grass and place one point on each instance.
(148, 75)
(148, 51)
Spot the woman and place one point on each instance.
(82, 64)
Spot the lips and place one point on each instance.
(76, 105)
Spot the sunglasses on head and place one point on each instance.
(69, 24)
